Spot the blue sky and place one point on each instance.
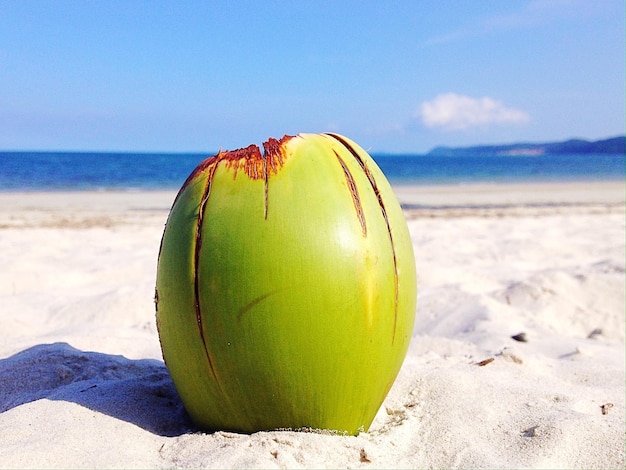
(395, 76)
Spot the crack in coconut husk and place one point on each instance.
(383, 210)
(354, 191)
(255, 166)
(196, 262)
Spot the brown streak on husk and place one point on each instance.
(273, 160)
(374, 186)
(255, 166)
(248, 159)
(250, 305)
(354, 191)
(196, 262)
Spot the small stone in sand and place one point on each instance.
(594, 333)
(606, 407)
(531, 432)
(485, 362)
(521, 337)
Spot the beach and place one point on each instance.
(516, 360)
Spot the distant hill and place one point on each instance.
(615, 145)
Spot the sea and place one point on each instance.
(101, 171)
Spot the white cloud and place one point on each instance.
(451, 111)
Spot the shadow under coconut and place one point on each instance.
(137, 391)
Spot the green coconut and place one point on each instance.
(286, 287)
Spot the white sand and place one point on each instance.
(82, 384)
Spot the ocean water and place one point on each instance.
(56, 171)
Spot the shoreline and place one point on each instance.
(429, 196)
(512, 194)
(86, 209)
